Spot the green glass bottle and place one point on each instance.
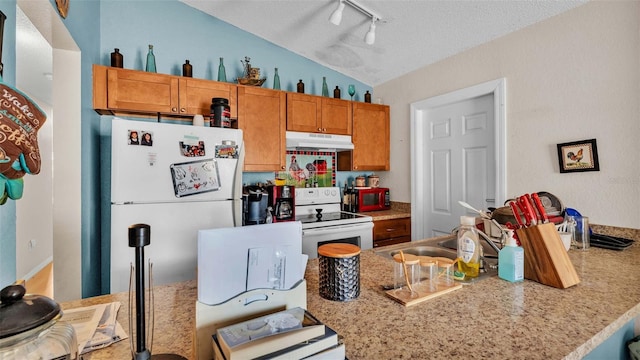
(276, 81)
(151, 60)
(325, 88)
(222, 73)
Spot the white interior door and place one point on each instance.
(459, 161)
(458, 152)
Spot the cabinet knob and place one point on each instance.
(324, 130)
(283, 167)
(182, 110)
(174, 109)
(319, 129)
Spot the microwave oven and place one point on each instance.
(372, 199)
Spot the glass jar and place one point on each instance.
(428, 274)
(406, 275)
(30, 328)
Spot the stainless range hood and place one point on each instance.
(318, 142)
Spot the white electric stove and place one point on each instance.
(323, 222)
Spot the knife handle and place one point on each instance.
(538, 202)
(534, 210)
(514, 208)
(529, 216)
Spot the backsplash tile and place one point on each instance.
(309, 169)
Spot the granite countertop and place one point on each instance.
(489, 319)
(398, 211)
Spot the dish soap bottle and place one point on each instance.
(511, 260)
(468, 247)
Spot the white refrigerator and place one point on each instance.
(177, 179)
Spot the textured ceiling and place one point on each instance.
(411, 35)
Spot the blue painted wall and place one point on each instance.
(8, 210)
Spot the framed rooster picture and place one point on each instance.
(578, 156)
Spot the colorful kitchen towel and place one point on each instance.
(20, 120)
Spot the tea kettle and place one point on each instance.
(30, 328)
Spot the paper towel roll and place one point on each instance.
(198, 120)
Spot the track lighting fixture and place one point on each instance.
(370, 37)
(336, 18)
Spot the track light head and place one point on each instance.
(370, 37)
(336, 16)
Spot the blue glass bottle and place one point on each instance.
(325, 88)
(151, 60)
(222, 73)
(276, 81)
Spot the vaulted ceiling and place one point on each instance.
(411, 34)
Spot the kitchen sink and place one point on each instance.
(445, 247)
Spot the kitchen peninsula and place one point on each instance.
(489, 319)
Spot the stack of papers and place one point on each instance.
(96, 326)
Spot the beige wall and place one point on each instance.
(572, 77)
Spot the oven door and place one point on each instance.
(360, 234)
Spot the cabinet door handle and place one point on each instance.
(324, 130)
(390, 230)
(174, 109)
(319, 130)
(183, 110)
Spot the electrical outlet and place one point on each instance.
(32, 244)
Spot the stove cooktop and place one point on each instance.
(331, 219)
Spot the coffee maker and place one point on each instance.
(282, 200)
(255, 201)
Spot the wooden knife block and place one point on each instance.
(545, 258)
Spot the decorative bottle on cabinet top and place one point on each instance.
(116, 58)
(276, 80)
(336, 93)
(222, 73)
(325, 88)
(367, 97)
(187, 69)
(151, 60)
(300, 87)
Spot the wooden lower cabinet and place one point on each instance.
(262, 118)
(391, 231)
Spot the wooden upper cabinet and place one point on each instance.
(127, 91)
(303, 112)
(371, 129)
(262, 118)
(196, 94)
(315, 114)
(336, 116)
(139, 91)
